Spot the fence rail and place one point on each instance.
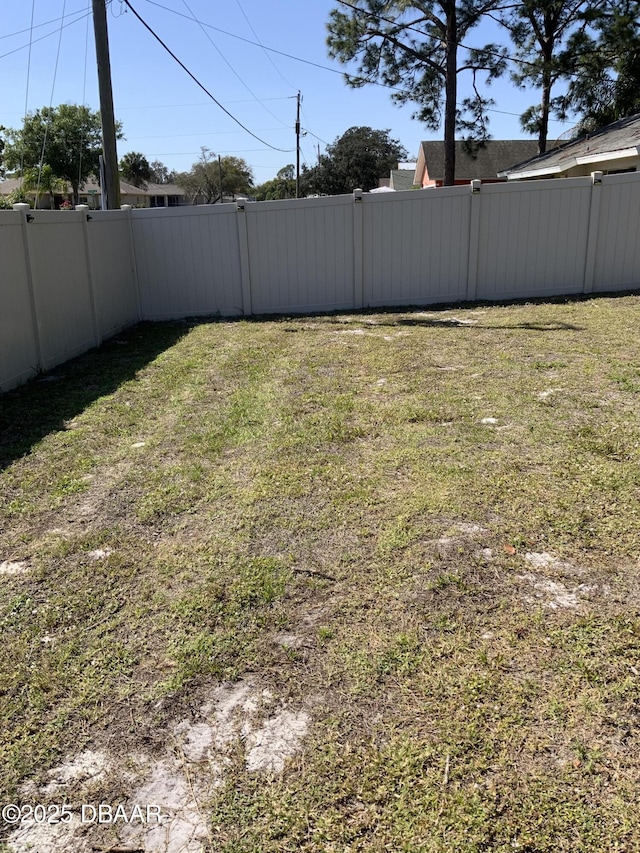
(71, 279)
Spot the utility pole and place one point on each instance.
(111, 177)
(298, 148)
(220, 176)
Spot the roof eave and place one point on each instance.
(534, 173)
(622, 154)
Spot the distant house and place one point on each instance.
(399, 179)
(166, 195)
(152, 195)
(614, 149)
(485, 162)
(402, 179)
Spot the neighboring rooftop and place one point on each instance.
(91, 188)
(485, 161)
(402, 179)
(613, 148)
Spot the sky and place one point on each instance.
(167, 117)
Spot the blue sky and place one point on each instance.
(163, 112)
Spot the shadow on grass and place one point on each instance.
(425, 315)
(29, 413)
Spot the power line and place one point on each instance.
(199, 104)
(317, 64)
(420, 32)
(195, 79)
(35, 27)
(263, 47)
(256, 44)
(26, 95)
(42, 38)
(201, 133)
(53, 86)
(84, 90)
(230, 66)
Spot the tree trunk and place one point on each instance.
(451, 91)
(545, 106)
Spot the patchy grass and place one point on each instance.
(424, 525)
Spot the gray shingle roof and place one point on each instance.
(402, 179)
(619, 136)
(493, 157)
(10, 184)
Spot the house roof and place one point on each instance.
(493, 157)
(402, 179)
(614, 142)
(90, 186)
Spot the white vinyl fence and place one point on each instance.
(71, 279)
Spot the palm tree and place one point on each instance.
(135, 169)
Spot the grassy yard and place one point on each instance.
(417, 531)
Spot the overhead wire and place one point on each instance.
(42, 38)
(53, 86)
(84, 90)
(266, 53)
(233, 70)
(420, 32)
(200, 133)
(316, 64)
(195, 79)
(26, 95)
(199, 104)
(32, 27)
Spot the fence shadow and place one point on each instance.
(48, 402)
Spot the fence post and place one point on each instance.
(245, 267)
(474, 240)
(592, 235)
(24, 209)
(358, 248)
(134, 260)
(84, 210)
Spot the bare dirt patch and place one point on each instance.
(177, 786)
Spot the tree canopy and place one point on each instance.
(282, 186)
(212, 179)
(70, 137)
(160, 174)
(358, 158)
(605, 84)
(135, 169)
(419, 48)
(549, 37)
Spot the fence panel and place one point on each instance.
(112, 271)
(533, 238)
(416, 246)
(301, 254)
(61, 285)
(617, 262)
(188, 261)
(18, 347)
